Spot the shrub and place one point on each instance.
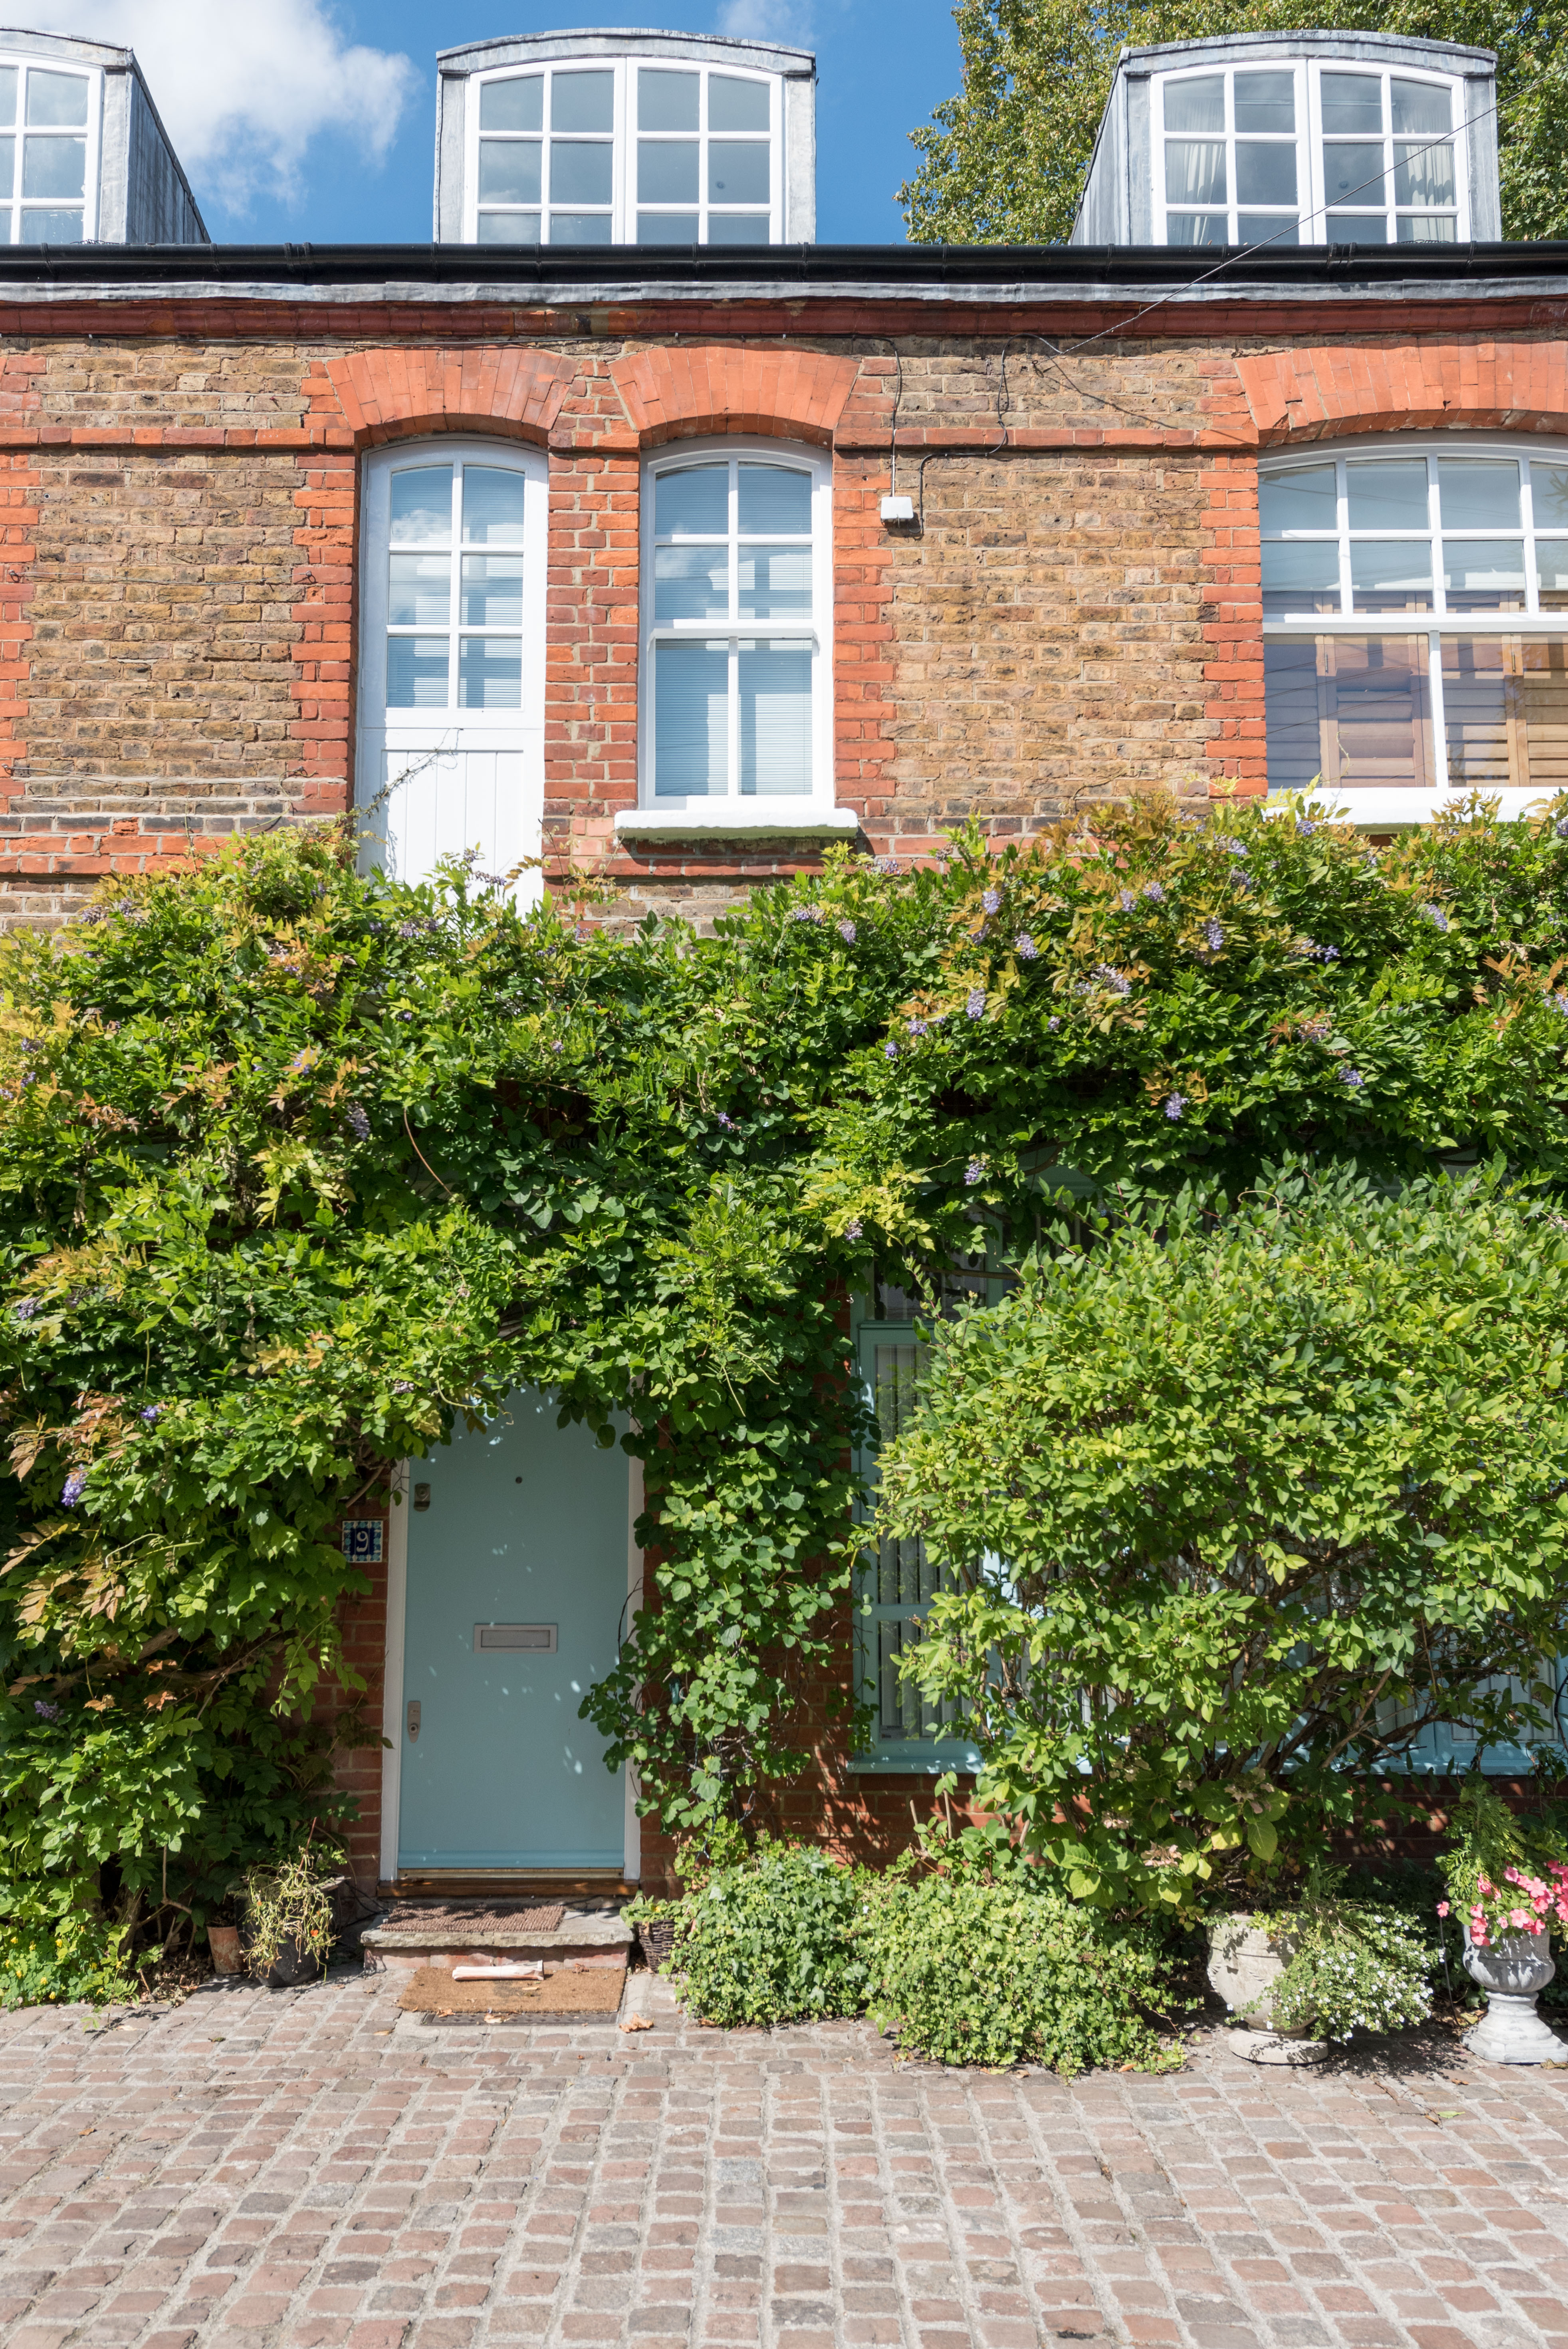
(1353, 1966)
(984, 1973)
(770, 1941)
(59, 1961)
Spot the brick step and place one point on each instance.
(589, 1935)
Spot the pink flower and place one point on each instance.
(1442, 1908)
(1520, 1918)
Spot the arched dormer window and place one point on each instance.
(451, 699)
(1415, 592)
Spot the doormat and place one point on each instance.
(592, 1991)
(470, 1916)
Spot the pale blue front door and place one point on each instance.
(516, 1588)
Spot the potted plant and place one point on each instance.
(224, 1937)
(1304, 1976)
(286, 1931)
(656, 1921)
(1507, 1886)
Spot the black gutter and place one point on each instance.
(518, 270)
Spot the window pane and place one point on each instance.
(1300, 577)
(774, 583)
(1265, 101)
(422, 504)
(509, 228)
(1505, 707)
(738, 172)
(1268, 228)
(1196, 105)
(493, 504)
(666, 228)
(52, 228)
(56, 98)
(581, 172)
(583, 101)
(1420, 106)
(579, 228)
(54, 167)
(492, 591)
(1352, 101)
(1552, 573)
(1484, 574)
(490, 673)
(736, 105)
(517, 104)
(1357, 228)
(1391, 574)
(419, 590)
(692, 501)
(1354, 170)
(1427, 228)
(1264, 174)
(667, 102)
(691, 720)
(1354, 710)
(508, 171)
(1196, 228)
(1423, 175)
(691, 583)
(1478, 492)
(1302, 499)
(416, 672)
(667, 170)
(775, 499)
(774, 719)
(738, 228)
(1389, 494)
(7, 164)
(7, 93)
(1549, 495)
(1195, 171)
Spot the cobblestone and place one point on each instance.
(275, 2171)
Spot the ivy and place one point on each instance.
(300, 1168)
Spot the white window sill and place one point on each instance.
(737, 820)
(1391, 809)
(927, 1762)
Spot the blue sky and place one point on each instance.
(314, 119)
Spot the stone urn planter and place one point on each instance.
(1243, 1967)
(1513, 1971)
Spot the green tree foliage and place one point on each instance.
(1235, 1507)
(1004, 161)
(297, 1168)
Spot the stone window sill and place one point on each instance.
(737, 820)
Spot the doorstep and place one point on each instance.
(587, 1936)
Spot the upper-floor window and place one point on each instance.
(590, 153)
(1309, 152)
(48, 153)
(1415, 599)
(736, 655)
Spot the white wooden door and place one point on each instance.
(451, 716)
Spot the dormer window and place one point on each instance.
(1308, 153)
(48, 160)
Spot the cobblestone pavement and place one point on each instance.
(303, 2169)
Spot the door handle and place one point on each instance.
(413, 1721)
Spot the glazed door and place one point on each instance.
(515, 1592)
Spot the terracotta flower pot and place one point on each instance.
(223, 1941)
(1512, 1970)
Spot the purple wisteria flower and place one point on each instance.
(1154, 893)
(1352, 1077)
(1024, 947)
(1128, 901)
(45, 1712)
(853, 1231)
(1436, 916)
(1053, 1022)
(1558, 1003)
(74, 1485)
(975, 1006)
(1174, 1104)
(1116, 981)
(1326, 954)
(847, 932)
(974, 1171)
(359, 1123)
(890, 1051)
(804, 914)
(1304, 823)
(1214, 935)
(1561, 827)
(151, 1415)
(890, 865)
(25, 1308)
(917, 1027)
(1240, 848)
(726, 1121)
(991, 901)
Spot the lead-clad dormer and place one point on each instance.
(84, 159)
(1289, 138)
(618, 137)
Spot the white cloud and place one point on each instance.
(788, 22)
(244, 87)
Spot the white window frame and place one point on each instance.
(1377, 807)
(92, 132)
(435, 742)
(1315, 225)
(622, 213)
(759, 810)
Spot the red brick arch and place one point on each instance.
(720, 388)
(395, 395)
(1336, 388)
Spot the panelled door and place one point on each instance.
(451, 712)
(516, 1586)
